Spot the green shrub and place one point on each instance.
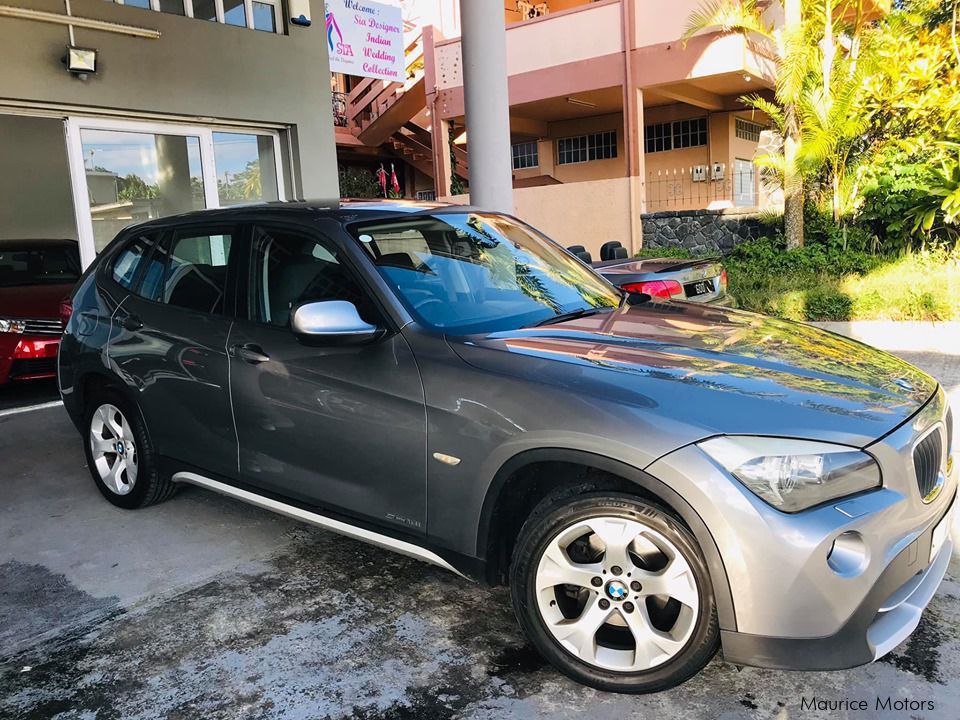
(819, 283)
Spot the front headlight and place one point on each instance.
(793, 475)
(8, 325)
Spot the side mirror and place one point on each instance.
(332, 322)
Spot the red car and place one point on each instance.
(35, 276)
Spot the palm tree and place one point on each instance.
(745, 17)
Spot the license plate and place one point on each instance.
(701, 287)
(940, 533)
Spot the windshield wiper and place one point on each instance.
(572, 315)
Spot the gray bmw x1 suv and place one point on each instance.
(654, 480)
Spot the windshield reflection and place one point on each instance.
(481, 272)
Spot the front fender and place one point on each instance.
(642, 479)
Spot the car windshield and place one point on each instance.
(38, 266)
(472, 272)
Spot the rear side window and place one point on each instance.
(195, 277)
(131, 259)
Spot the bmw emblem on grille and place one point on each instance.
(616, 590)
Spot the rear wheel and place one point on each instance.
(615, 593)
(119, 453)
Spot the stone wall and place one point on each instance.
(700, 231)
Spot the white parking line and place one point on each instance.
(31, 408)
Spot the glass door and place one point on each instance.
(127, 172)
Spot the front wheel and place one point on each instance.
(615, 593)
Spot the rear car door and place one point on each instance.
(337, 426)
(170, 337)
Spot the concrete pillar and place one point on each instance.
(484, 47)
(440, 140)
(636, 167)
(633, 130)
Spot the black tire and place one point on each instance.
(551, 518)
(149, 487)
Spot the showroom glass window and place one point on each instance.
(132, 177)
(246, 167)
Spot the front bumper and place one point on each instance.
(27, 357)
(792, 607)
(887, 616)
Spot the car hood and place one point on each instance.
(715, 370)
(33, 301)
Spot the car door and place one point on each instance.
(170, 339)
(342, 427)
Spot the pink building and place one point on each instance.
(609, 110)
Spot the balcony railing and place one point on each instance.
(558, 38)
(704, 187)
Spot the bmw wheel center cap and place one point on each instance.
(616, 590)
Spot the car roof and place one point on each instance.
(347, 210)
(30, 243)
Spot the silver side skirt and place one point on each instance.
(367, 536)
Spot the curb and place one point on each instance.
(905, 336)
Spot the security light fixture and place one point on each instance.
(81, 61)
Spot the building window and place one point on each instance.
(525, 155)
(264, 16)
(597, 146)
(204, 9)
(675, 135)
(658, 137)
(253, 14)
(172, 7)
(747, 130)
(572, 150)
(602, 145)
(234, 13)
(428, 195)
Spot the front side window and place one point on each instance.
(195, 276)
(480, 272)
(291, 268)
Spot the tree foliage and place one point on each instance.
(877, 109)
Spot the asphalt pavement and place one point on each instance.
(202, 607)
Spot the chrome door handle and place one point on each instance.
(249, 353)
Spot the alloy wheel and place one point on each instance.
(113, 449)
(617, 594)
